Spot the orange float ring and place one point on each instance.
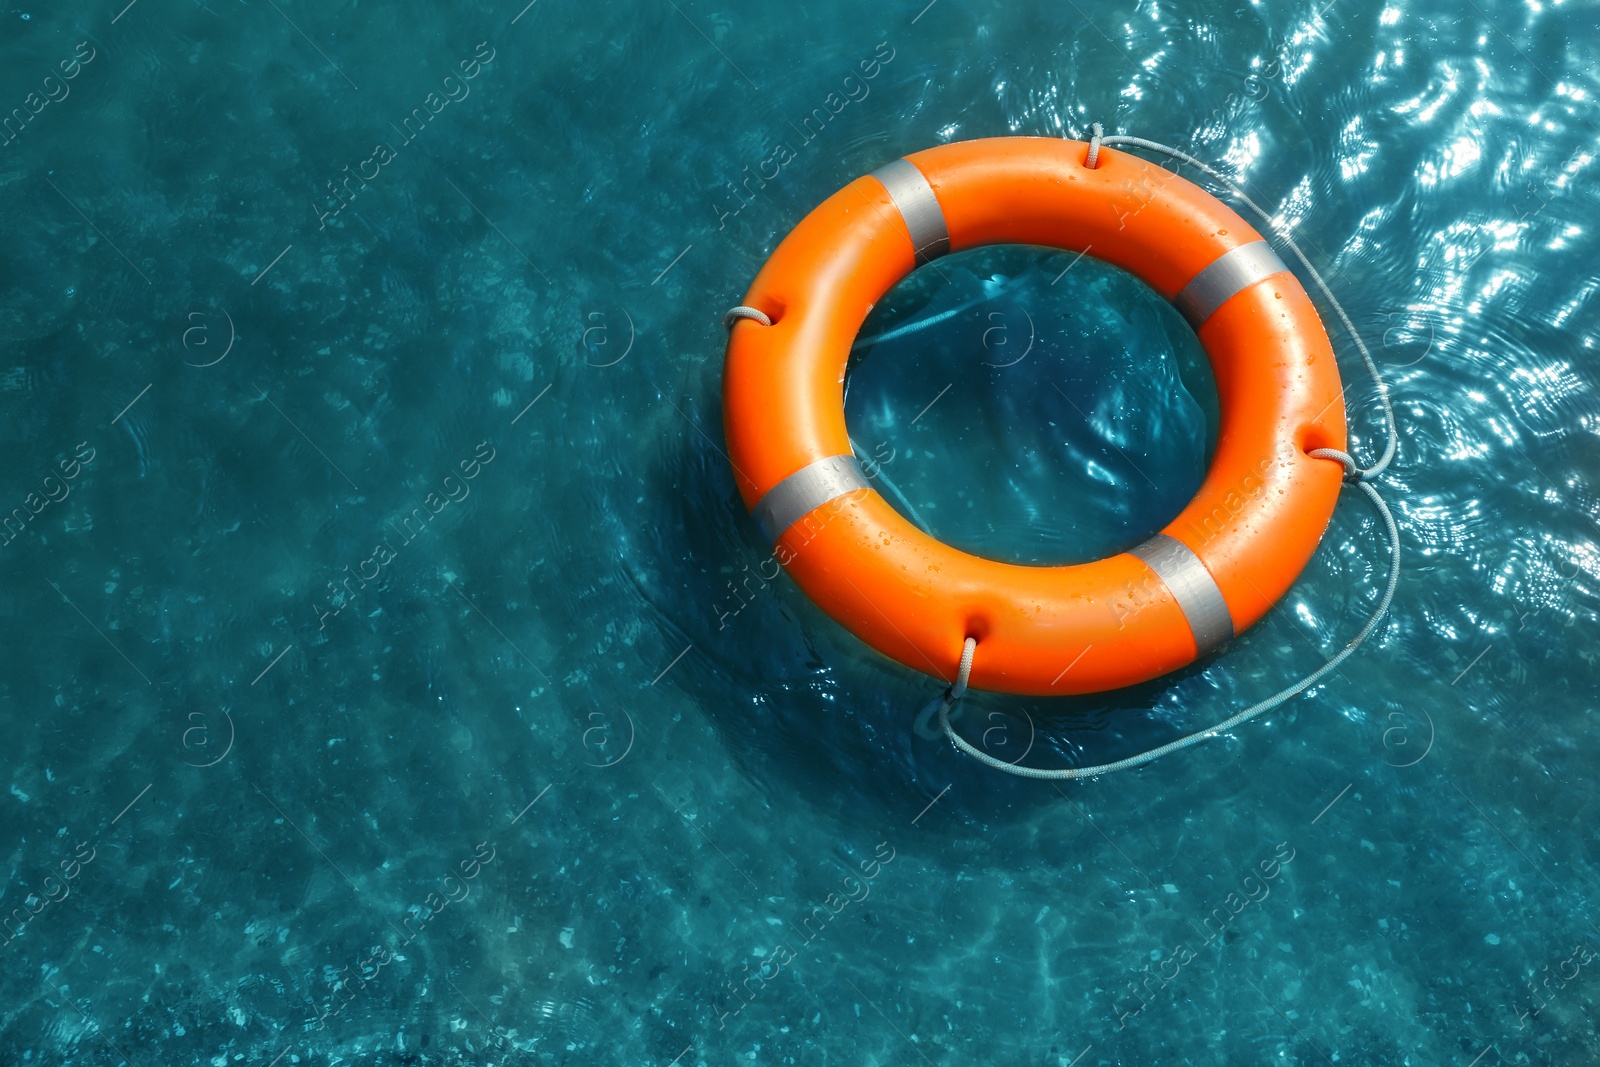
(1212, 572)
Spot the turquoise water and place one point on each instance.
(376, 689)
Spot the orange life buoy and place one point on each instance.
(1212, 572)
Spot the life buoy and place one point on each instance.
(1213, 571)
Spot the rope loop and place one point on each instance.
(1353, 474)
(744, 311)
(959, 689)
(1093, 161)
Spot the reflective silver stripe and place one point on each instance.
(1227, 274)
(1192, 587)
(920, 209)
(805, 490)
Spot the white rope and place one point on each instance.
(1322, 286)
(1246, 715)
(1355, 475)
(744, 311)
(959, 690)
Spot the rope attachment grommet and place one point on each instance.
(744, 311)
